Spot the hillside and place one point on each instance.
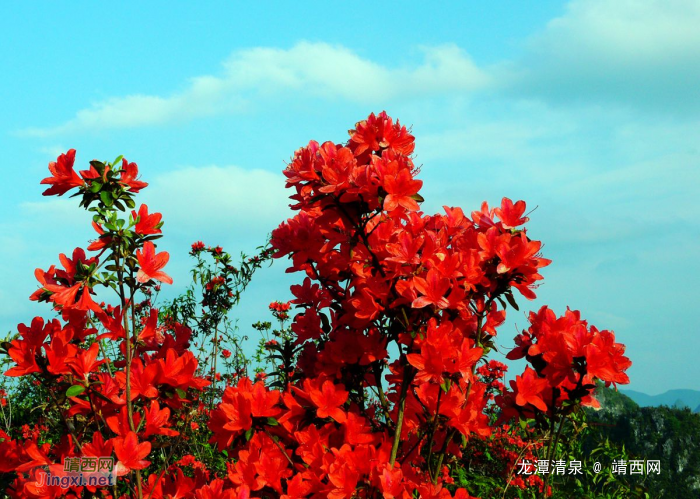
(669, 434)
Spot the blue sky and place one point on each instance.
(589, 110)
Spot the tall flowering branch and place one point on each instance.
(113, 405)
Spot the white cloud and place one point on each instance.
(53, 151)
(195, 201)
(315, 69)
(219, 199)
(218, 204)
(522, 132)
(625, 31)
(598, 177)
(640, 53)
(636, 52)
(61, 209)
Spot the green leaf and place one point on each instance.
(500, 300)
(106, 198)
(103, 397)
(181, 393)
(75, 390)
(249, 434)
(325, 323)
(272, 422)
(511, 300)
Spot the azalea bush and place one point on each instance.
(375, 382)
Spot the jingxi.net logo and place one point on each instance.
(78, 472)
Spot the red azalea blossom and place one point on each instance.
(131, 453)
(530, 389)
(63, 178)
(151, 263)
(197, 247)
(130, 172)
(147, 224)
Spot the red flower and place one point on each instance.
(151, 263)
(58, 354)
(433, 288)
(150, 329)
(401, 190)
(530, 388)
(606, 359)
(511, 215)
(278, 306)
(147, 224)
(131, 453)
(98, 447)
(392, 483)
(298, 488)
(128, 177)
(379, 131)
(143, 380)
(328, 399)
(263, 401)
(85, 362)
(179, 371)
(101, 242)
(63, 178)
(237, 412)
(357, 430)
(157, 421)
(24, 355)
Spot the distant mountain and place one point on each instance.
(671, 398)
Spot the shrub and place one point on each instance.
(380, 386)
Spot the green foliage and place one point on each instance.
(216, 288)
(490, 470)
(668, 434)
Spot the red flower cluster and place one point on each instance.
(132, 398)
(64, 178)
(280, 310)
(379, 272)
(197, 247)
(382, 376)
(568, 357)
